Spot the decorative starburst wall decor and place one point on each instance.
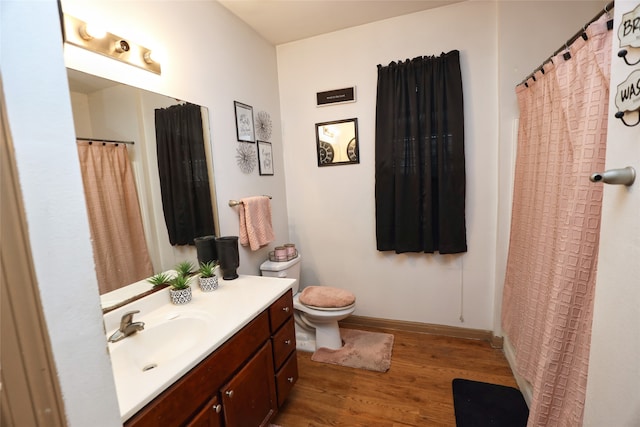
(263, 126)
(246, 157)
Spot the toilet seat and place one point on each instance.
(346, 307)
(327, 298)
(328, 312)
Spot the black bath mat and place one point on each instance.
(479, 404)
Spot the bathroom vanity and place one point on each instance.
(240, 377)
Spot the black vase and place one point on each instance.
(206, 248)
(227, 247)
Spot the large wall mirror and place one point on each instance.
(112, 111)
(337, 142)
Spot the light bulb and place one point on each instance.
(92, 31)
(153, 56)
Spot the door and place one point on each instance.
(249, 399)
(613, 384)
(209, 416)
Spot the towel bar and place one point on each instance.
(233, 203)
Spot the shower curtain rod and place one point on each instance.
(579, 33)
(110, 141)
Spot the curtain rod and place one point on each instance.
(110, 141)
(569, 42)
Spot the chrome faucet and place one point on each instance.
(127, 327)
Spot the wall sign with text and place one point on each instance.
(627, 98)
(336, 96)
(629, 36)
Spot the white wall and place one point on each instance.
(332, 209)
(499, 42)
(613, 385)
(40, 120)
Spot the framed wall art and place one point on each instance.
(244, 122)
(337, 142)
(265, 158)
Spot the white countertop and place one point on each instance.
(232, 306)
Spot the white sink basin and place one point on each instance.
(162, 341)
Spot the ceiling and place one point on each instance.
(86, 83)
(283, 21)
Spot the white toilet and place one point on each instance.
(318, 313)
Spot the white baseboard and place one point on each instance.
(525, 386)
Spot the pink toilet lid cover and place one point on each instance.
(326, 296)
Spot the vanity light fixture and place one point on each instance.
(86, 36)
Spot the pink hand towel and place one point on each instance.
(255, 222)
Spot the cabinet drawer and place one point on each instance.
(281, 310)
(286, 378)
(284, 342)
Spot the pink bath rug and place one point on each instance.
(362, 350)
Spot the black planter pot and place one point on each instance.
(206, 248)
(227, 247)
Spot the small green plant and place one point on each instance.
(207, 269)
(180, 282)
(160, 279)
(185, 268)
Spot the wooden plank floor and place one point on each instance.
(416, 391)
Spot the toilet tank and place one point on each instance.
(286, 269)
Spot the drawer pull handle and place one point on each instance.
(285, 309)
(290, 379)
(217, 408)
(287, 342)
(230, 394)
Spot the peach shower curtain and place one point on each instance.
(119, 246)
(549, 286)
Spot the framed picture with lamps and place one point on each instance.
(265, 158)
(244, 122)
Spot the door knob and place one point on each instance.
(230, 394)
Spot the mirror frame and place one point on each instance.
(325, 150)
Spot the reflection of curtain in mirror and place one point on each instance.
(119, 246)
(184, 178)
(420, 165)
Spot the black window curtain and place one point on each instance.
(184, 179)
(420, 166)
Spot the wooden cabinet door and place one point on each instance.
(249, 399)
(210, 416)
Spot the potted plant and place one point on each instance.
(180, 291)
(160, 279)
(185, 268)
(208, 279)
